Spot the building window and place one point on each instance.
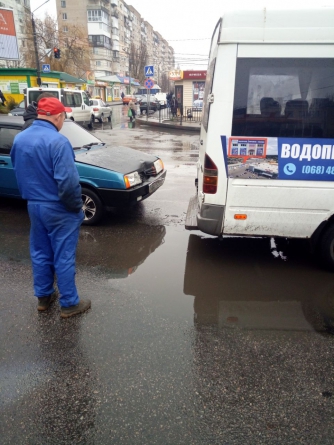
(95, 50)
(98, 63)
(65, 29)
(64, 15)
(63, 4)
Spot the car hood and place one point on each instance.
(121, 159)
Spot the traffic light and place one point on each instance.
(56, 53)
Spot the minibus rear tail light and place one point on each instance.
(210, 178)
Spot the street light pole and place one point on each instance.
(38, 70)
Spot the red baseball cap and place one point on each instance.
(50, 106)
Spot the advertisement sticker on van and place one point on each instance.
(279, 158)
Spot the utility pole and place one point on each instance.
(129, 72)
(39, 82)
(38, 70)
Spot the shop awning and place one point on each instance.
(112, 79)
(125, 80)
(69, 79)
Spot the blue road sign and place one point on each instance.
(46, 68)
(149, 70)
(149, 83)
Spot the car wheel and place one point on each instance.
(91, 123)
(101, 119)
(327, 248)
(92, 207)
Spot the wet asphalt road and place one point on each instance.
(190, 340)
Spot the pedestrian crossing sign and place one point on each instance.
(149, 70)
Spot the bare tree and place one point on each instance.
(138, 59)
(72, 42)
(164, 82)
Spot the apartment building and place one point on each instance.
(112, 26)
(21, 10)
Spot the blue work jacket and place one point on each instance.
(43, 161)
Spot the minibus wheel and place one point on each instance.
(327, 247)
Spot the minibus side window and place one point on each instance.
(68, 99)
(207, 91)
(85, 98)
(284, 98)
(77, 99)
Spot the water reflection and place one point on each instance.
(237, 284)
(119, 251)
(67, 402)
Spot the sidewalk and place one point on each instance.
(176, 124)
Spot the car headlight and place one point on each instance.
(159, 165)
(132, 179)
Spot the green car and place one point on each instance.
(110, 176)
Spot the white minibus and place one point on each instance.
(266, 162)
(76, 102)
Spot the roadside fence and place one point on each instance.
(183, 114)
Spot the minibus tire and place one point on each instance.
(92, 207)
(327, 248)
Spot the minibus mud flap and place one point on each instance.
(191, 218)
(209, 219)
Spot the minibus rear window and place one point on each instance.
(284, 98)
(33, 95)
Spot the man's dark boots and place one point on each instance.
(45, 302)
(70, 311)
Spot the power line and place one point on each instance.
(190, 54)
(184, 40)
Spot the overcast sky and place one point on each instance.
(188, 25)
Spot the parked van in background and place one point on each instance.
(266, 162)
(76, 102)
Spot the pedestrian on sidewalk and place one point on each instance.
(173, 106)
(132, 111)
(48, 179)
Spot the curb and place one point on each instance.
(165, 125)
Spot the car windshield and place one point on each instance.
(77, 135)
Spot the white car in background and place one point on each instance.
(100, 110)
(198, 104)
(162, 98)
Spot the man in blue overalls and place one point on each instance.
(48, 179)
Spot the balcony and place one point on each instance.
(114, 3)
(114, 13)
(95, 4)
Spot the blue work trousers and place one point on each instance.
(54, 237)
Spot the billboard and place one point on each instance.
(8, 40)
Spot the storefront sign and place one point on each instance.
(194, 75)
(175, 75)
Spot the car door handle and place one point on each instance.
(3, 163)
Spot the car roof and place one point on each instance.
(13, 120)
(16, 121)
